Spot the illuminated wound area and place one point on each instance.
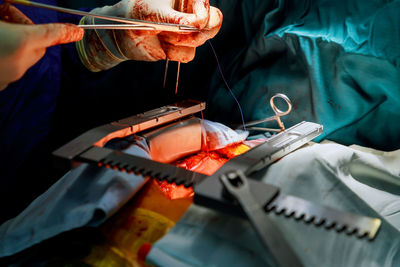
(159, 205)
(202, 162)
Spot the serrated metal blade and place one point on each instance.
(301, 209)
(141, 166)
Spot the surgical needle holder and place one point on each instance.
(128, 24)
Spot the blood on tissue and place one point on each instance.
(174, 191)
(203, 162)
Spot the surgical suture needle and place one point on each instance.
(165, 72)
(181, 8)
(177, 77)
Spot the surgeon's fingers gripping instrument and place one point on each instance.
(127, 23)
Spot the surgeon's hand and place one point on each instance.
(103, 49)
(22, 44)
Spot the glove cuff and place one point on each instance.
(98, 49)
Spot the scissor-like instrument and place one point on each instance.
(277, 117)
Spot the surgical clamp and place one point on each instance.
(276, 117)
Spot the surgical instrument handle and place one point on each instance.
(150, 25)
(277, 111)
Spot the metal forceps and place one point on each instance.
(276, 117)
(126, 23)
(237, 186)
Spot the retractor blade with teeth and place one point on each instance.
(301, 209)
(140, 166)
(208, 192)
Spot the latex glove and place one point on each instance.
(22, 44)
(103, 49)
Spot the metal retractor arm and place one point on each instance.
(208, 189)
(237, 185)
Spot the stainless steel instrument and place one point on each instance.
(132, 24)
(209, 191)
(237, 185)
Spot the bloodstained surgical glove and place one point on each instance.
(103, 49)
(22, 44)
